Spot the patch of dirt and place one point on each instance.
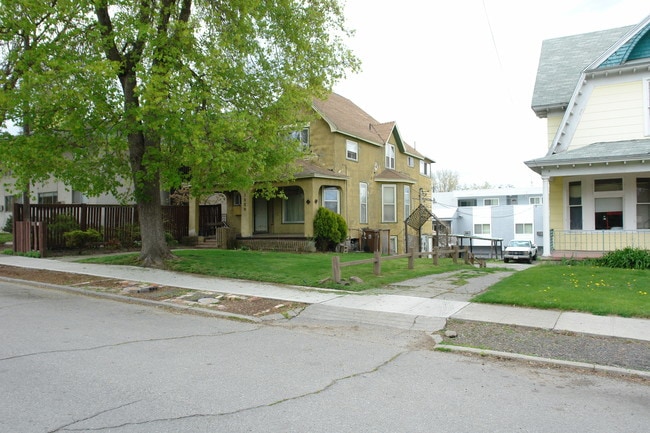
(243, 305)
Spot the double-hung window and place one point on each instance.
(351, 150)
(390, 156)
(363, 203)
(407, 201)
(388, 204)
(575, 205)
(332, 199)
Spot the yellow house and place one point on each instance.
(594, 92)
(357, 167)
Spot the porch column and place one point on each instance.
(193, 224)
(546, 216)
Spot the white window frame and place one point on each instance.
(363, 203)
(385, 203)
(392, 245)
(410, 161)
(482, 229)
(492, 201)
(534, 200)
(51, 197)
(407, 201)
(236, 198)
(425, 169)
(390, 156)
(328, 200)
(351, 150)
(640, 224)
(523, 228)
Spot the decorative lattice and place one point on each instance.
(419, 217)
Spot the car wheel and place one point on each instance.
(530, 259)
(506, 260)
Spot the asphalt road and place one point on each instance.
(75, 363)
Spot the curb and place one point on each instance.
(557, 362)
(133, 300)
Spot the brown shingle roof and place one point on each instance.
(312, 170)
(346, 117)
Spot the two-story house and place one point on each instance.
(357, 167)
(496, 213)
(593, 90)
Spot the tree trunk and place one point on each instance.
(147, 194)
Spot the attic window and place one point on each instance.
(352, 150)
(390, 156)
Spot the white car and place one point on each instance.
(520, 250)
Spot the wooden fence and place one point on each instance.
(114, 222)
(377, 258)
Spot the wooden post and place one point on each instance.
(377, 263)
(466, 256)
(456, 254)
(412, 259)
(435, 256)
(336, 269)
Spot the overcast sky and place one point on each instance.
(458, 77)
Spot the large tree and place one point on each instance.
(164, 92)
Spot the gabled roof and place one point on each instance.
(345, 117)
(561, 62)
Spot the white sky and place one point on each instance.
(458, 76)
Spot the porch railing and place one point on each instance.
(598, 240)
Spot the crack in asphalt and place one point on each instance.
(64, 427)
(124, 343)
(332, 383)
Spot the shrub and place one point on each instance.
(62, 223)
(627, 258)
(330, 229)
(9, 224)
(81, 238)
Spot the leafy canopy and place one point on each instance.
(218, 86)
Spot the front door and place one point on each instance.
(261, 215)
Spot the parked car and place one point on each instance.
(519, 250)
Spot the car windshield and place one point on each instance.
(519, 244)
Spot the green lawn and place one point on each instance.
(599, 290)
(6, 237)
(579, 287)
(296, 269)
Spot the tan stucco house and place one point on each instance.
(594, 92)
(356, 166)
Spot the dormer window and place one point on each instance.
(352, 150)
(390, 156)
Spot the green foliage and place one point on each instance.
(9, 224)
(80, 239)
(330, 229)
(62, 223)
(627, 258)
(218, 87)
(8, 252)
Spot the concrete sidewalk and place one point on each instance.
(428, 311)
